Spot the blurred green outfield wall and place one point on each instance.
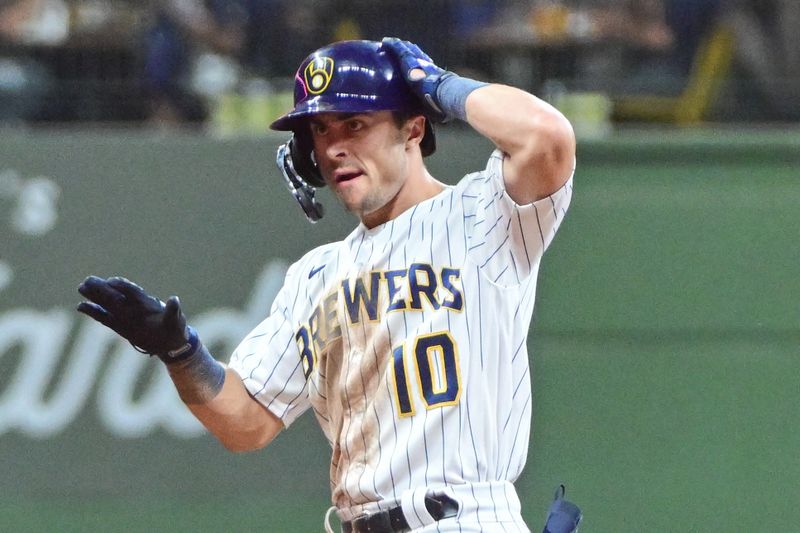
(664, 345)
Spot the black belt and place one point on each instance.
(393, 520)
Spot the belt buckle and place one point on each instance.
(379, 522)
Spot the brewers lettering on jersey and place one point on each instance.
(408, 338)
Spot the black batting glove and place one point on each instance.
(421, 74)
(150, 325)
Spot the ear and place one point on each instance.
(414, 130)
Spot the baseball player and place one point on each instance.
(407, 339)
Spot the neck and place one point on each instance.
(419, 187)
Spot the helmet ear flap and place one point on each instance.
(296, 181)
(302, 150)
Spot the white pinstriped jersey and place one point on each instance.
(408, 341)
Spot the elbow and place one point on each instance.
(243, 444)
(236, 447)
(551, 140)
(238, 421)
(548, 146)
(249, 440)
(544, 158)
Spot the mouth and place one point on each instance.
(345, 175)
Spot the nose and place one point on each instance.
(336, 146)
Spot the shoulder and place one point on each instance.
(492, 180)
(311, 260)
(490, 176)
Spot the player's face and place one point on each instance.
(364, 160)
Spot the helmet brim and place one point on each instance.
(295, 120)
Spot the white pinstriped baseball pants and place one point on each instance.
(491, 507)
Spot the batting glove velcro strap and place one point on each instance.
(563, 516)
(150, 325)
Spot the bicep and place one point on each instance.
(536, 139)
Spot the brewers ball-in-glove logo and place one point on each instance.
(318, 74)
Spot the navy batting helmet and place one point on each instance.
(343, 77)
(351, 77)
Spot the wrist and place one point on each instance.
(452, 94)
(199, 377)
(187, 350)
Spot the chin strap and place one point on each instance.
(302, 191)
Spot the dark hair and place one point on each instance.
(401, 117)
(428, 143)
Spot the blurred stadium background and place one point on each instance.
(133, 141)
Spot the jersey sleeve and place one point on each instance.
(507, 240)
(269, 362)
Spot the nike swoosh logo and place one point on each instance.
(314, 271)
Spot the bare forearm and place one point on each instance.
(215, 395)
(514, 119)
(199, 378)
(537, 140)
(225, 407)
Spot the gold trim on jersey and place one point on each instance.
(402, 395)
(308, 356)
(356, 301)
(367, 298)
(457, 292)
(446, 375)
(395, 300)
(422, 280)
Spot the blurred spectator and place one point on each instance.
(181, 32)
(470, 16)
(658, 41)
(25, 82)
(768, 52)
(281, 32)
(427, 23)
(199, 49)
(690, 21)
(641, 24)
(194, 50)
(34, 21)
(469, 19)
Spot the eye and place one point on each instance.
(354, 125)
(318, 129)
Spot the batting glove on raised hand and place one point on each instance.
(421, 74)
(150, 325)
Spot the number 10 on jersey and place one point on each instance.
(435, 359)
